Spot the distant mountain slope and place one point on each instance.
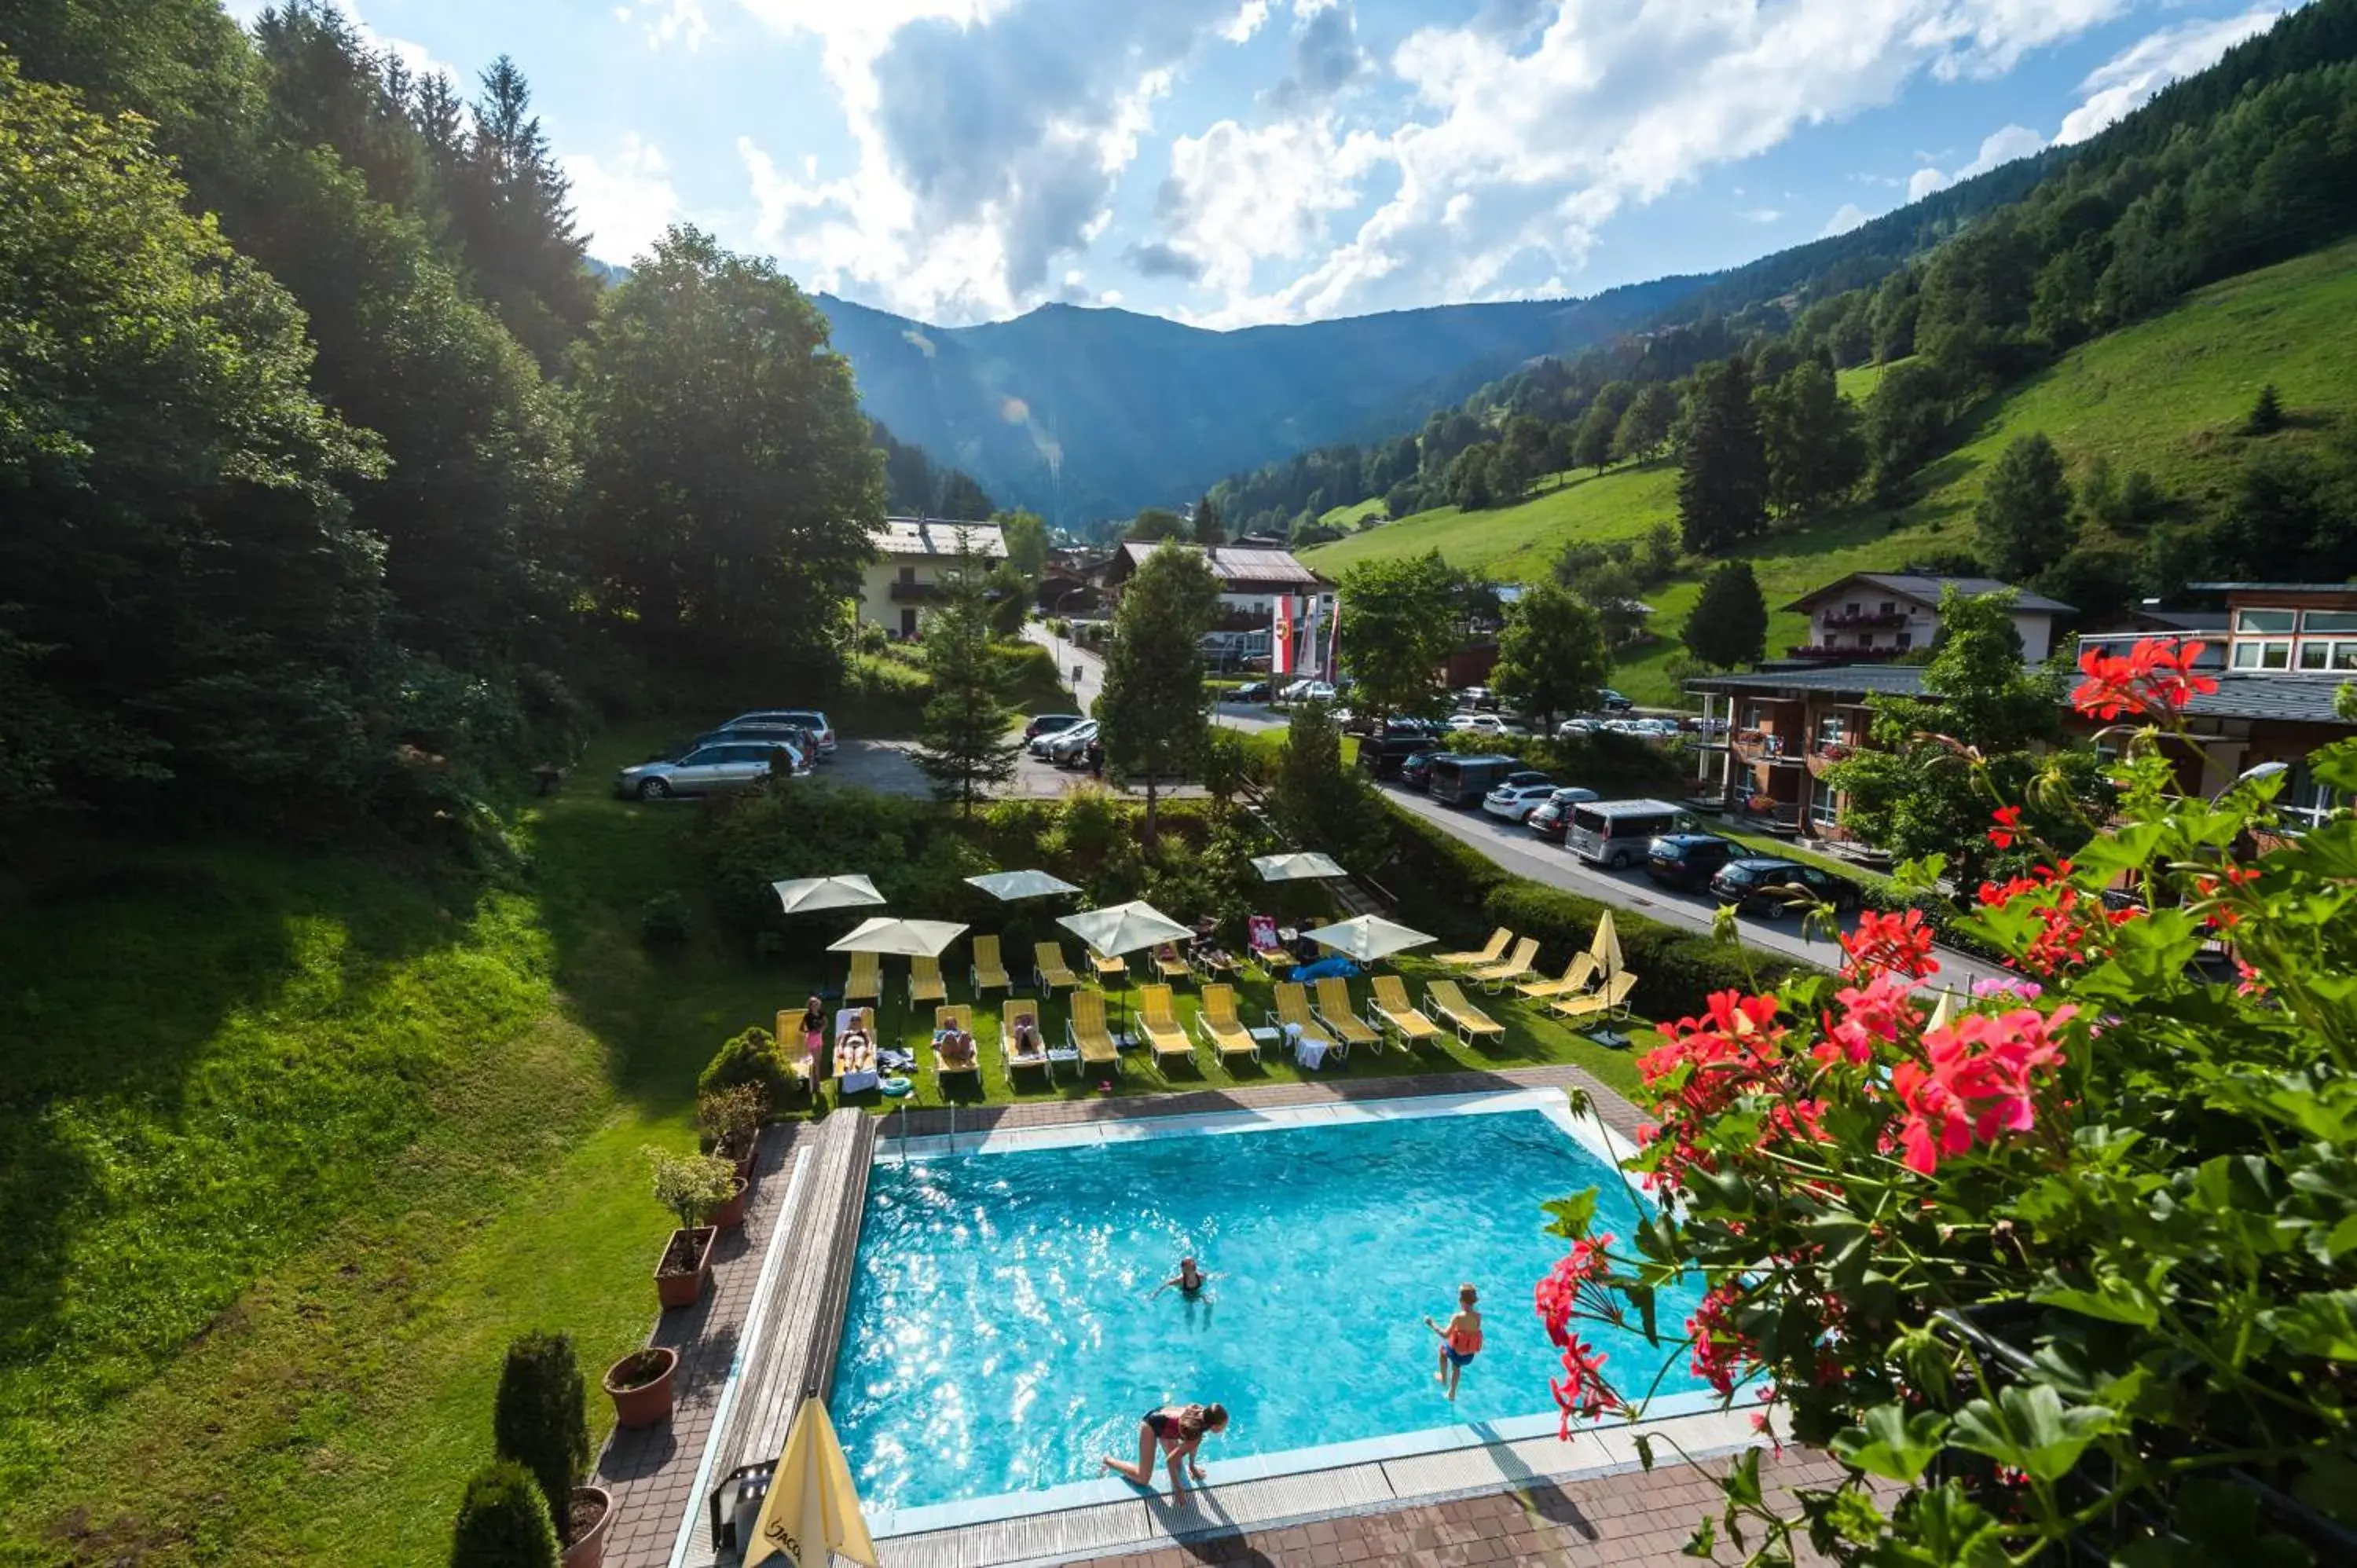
(2167, 395)
(1143, 410)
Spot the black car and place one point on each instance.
(1687, 860)
(1763, 885)
(1250, 692)
(1416, 769)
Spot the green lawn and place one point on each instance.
(2167, 395)
(291, 1146)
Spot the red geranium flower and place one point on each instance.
(2156, 676)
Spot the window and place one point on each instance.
(2329, 620)
(1906, 640)
(2318, 653)
(1833, 729)
(2263, 655)
(2263, 620)
(1824, 811)
(908, 576)
(1865, 640)
(2306, 801)
(1890, 607)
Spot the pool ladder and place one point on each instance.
(904, 1130)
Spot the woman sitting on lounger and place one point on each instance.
(855, 1052)
(956, 1046)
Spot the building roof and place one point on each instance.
(1925, 590)
(1839, 680)
(2272, 587)
(1231, 563)
(2271, 694)
(919, 536)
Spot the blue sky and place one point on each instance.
(1231, 162)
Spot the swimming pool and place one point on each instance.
(999, 1337)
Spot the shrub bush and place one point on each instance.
(503, 1522)
(537, 1419)
(750, 1060)
(665, 920)
(691, 1186)
(1615, 765)
(1676, 971)
(726, 1114)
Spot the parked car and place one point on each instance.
(1552, 816)
(1516, 800)
(1310, 692)
(1612, 702)
(1572, 729)
(805, 743)
(810, 719)
(1484, 723)
(1615, 834)
(1416, 769)
(706, 770)
(1460, 780)
(1688, 860)
(1384, 755)
(1762, 885)
(1250, 692)
(1070, 747)
(1048, 723)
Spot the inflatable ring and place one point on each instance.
(896, 1087)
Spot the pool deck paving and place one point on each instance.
(783, 1276)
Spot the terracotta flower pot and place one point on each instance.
(731, 1213)
(685, 1267)
(640, 1384)
(746, 1153)
(586, 1546)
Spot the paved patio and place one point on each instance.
(658, 1479)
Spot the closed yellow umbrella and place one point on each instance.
(812, 1508)
(1606, 949)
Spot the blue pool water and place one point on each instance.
(1000, 1337)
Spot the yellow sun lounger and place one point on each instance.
(1048, 958)
(1497, 976)
(1612, 1002)
(925, 981)
(1293, 1010)
(1219, 1025)
(1577, 976)
(1498, 940)
(988, 971)
(1017, 1009)
(1397, 1012)
(1086, 1031)
(1342, 1021)
(962, 1016)
(1470, 1021)
(1158, 1018)
(1171, 965)
(866, 980)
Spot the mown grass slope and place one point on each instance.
(2167, 395)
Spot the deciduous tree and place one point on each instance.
(1152, 708)
(1399, 622)
(1552, 656)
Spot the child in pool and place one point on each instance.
(1461, 1341)
(1188, 1282)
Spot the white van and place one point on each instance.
(1614, 833)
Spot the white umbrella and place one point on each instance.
(1368, 938)
(1006, 886)
(905, 939)
(1944, 1011)
(1125, 928)
(826, 893)
(1309, 866)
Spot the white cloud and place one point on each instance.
(1245, 22)
(2124, 82)
(1999, 146)
(1236, 196)
(1847, 218)
(622, 202)
(681, 22)
(1760, 214)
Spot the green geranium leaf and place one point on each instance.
(1703, 1541)
(1890, 1443)
(2117, 1301)
(1949, 1530)
(1741, 1482)
(2032, 1430)
(1573, 1215)
(1645, 1450)
(2324, 1326)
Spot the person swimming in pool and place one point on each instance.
(1461, 1341)
(1188, 1282)
(1179, 1429)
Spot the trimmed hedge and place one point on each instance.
(1676, 971)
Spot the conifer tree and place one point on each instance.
(1723, 472)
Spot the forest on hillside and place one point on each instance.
(2251, 162)
(337, 480)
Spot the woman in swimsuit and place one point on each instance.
(1179, 1429)
(1461, 1341)
(1188, 1282)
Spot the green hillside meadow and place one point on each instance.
(2168, 395)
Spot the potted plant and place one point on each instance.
(539, 1421)
(730, 1119)
(503, 1521)
(639, 1385)
(692, 1186)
